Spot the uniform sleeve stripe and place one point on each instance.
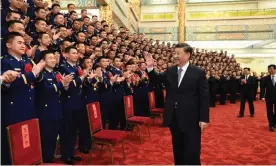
(74, 82)
(24, 78)
(55, 87)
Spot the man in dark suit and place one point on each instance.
(270, 96)
(247, 91)
(187, 104)
(261, 79)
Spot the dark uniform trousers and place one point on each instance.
(270, 116)
(249, 98)
(186, 145)
(49, 131)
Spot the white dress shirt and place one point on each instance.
(184, 69)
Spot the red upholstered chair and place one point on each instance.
(164, 93)
(101, 136)
(134, 120)
(24, 142)
(155, 111)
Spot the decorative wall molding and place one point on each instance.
(161, 33)
(231, 32)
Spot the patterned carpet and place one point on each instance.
(228, 140)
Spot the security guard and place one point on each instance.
(72, 105)
(18, 97)
(49, 106)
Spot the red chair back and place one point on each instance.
(151, 100)
(24, 142)
(164, 92)
(128, 103)
(94, 117)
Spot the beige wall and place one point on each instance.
(257, 64)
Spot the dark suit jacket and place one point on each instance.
(248, 88)
(192, 96)
(270, 90)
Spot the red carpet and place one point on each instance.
(228, 140)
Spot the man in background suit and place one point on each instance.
(247, 91)
(187, 104)
(270, 96)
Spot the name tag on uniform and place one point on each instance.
(72, 73)
(17, 69)
(50, 79)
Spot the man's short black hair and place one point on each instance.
(72, 12)
(187, 48)
(246, 68)
(272, 65)
(70, 5)
(69, 48)
(55, 5)
(44, 53)
(39, 19)
(40, 34)
(58, 14)
(11, 36)
(12, 22)
(37, 9)
(9, 13)
(116, 57)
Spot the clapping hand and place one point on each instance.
(9, 76)
(38, 67)
(65, 80)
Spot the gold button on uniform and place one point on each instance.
(46, 105)
(68, 96)
(11, 103)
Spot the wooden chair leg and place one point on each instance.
(161, 118)
(139, 134)
(148, 130)
(101, 149)
(123, 148)
(111, 154)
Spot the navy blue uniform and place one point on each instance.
(72, 106)
(118, 113)
(17, 98)
(141, 93)
(105, 97)
(49, 111)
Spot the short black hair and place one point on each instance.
(83, 10)
(272, 65)
(94, 16)
(40, 34)
(69, 48)
(54, 5)
(58, 14)
(100, 58)
(44, 53)
(37, 9)
(72, 12)
(9, 13)
(11, 36)
(70, 5)
(116, 57)
(39, 19)
(12, 22)
(187, 48)
(246, 68)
